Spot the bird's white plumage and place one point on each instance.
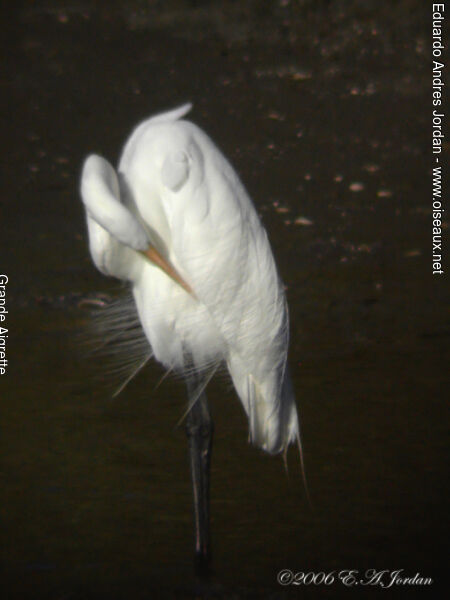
(100, 191)
(175, 189)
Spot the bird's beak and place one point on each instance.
(155, 257)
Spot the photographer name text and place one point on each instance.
(352, 577)
(438, 118)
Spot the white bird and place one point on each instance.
(176, 222)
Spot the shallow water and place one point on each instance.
(96, 499)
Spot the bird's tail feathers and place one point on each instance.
(271, 410)
(273, 426)
(302, 468)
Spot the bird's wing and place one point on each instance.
(269, 404)
(222, 246)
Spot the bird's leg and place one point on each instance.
(199, 429)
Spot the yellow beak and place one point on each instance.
(155, 257)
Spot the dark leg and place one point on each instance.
(199, 429)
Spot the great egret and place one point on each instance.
(176, 222)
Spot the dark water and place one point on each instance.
(324, 111)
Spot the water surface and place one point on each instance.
(327, 125)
